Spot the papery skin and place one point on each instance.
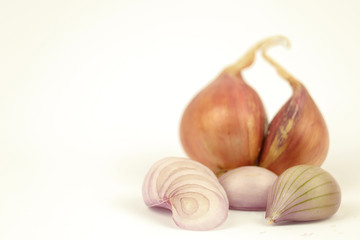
(223, 126)
(297, 135)
(303, 193)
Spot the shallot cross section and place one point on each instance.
(190, 190)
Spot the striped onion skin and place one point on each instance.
(189, 189)
(303, 193)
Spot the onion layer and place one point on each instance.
(190, 190)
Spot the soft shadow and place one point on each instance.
(345, 211)
(349, 208)
(240, 218)
(293, 223)
(137, 207)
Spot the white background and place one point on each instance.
(92, 92)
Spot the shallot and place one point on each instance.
(303, 193)
(190, 190)
(223, 126)
(247, 187)
(298, 133)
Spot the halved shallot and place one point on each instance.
(190, 190)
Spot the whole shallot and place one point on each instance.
(303, 193)
(247, 187)
(298, 133)
(223, 126)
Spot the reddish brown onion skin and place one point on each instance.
(223, 126)
(297, 135)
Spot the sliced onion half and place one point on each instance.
(190, 190)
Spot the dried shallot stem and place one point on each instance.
(249, 57)
(281, 70)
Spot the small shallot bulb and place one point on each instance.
(303, 193)
(190, 190)
(298, 133)
(223, 126)
(247, 187)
